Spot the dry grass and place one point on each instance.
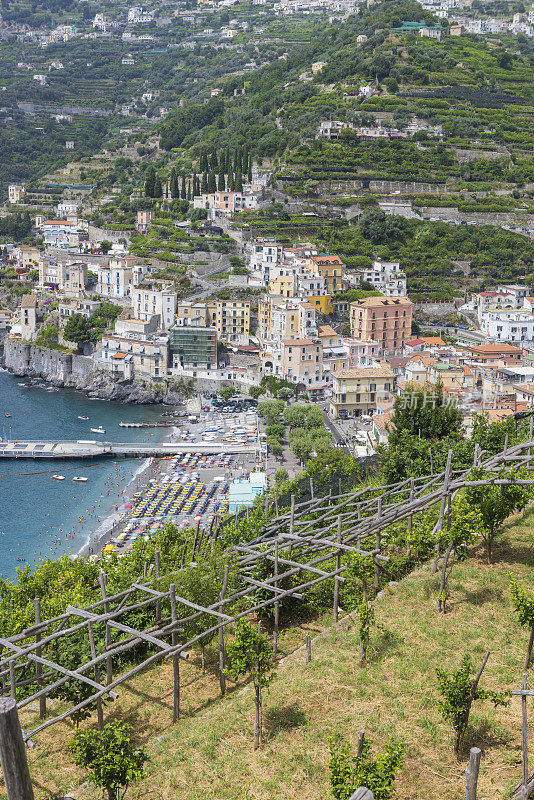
(208, 754)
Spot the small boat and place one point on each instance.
(79, 479)
(98, 430)
(58, 477)
(8, 415)
(81, 416)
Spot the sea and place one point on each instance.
(41, 517)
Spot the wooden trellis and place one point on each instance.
(319, 530)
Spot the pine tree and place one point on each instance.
(204, 184)
(183, 193)
(212, 183)
(149, 182)
(158, 188)
(222, 181)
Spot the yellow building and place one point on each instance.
(328, 267)
(322, 302)
(283, 285)
(357, 391)
(232, 320)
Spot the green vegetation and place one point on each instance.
(85, 330)
(524, 608)
(110, 756)
(250, 653)
(427, 251)
(348, 773)
(459, 691)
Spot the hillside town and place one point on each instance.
(347, 339)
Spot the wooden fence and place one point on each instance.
(296, 542)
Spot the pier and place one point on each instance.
(93, 449)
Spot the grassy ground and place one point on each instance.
(208, 754)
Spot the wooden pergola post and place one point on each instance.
(38, 666)
(13, 753)
(175, 658)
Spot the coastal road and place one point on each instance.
(92, 449)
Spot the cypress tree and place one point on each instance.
(222, 181)
(212, 183)
(183, 193)
(173, 183)
(231, 182)
(158, 188)
(214, 164)
(196, 188)
(238, 182)
(203, 161)
(204, 184)
(149, 182)
(249, 175)
(189, 191)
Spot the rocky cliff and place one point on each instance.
(79, 372)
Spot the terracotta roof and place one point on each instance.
(497, 414)
(297, 342)
(366, 372)
(28, 301)
(495, 348)
(428, 340)
(377, 302)
(381, 420)
(326, 259)
(118, 355)
(326, 330)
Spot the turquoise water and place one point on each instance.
(39, 516)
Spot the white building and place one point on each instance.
(387, 277)
(67, 207)
(60, 233)
(28, 316)
(115, 279)
(149, 301)
(264, 255)
(137, 15)
(508, 325)
(16, 193)
(227, 202)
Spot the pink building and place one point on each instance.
(302, 362)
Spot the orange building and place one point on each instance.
(387, 320)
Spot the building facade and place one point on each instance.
(302, 362)
(357, 391)
(386, 320)
(193, 347)
(149, 300)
